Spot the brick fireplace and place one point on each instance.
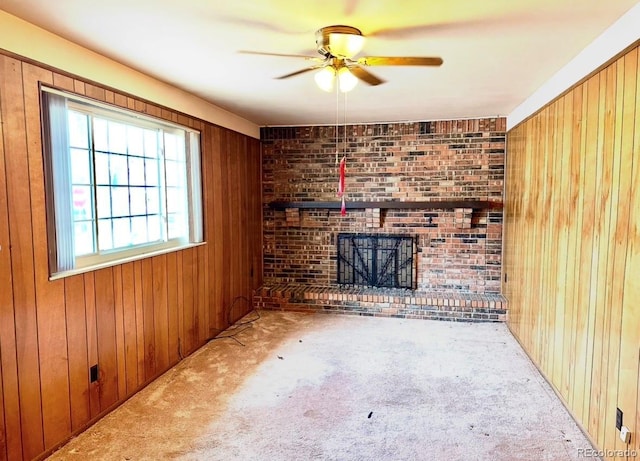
(438, 182)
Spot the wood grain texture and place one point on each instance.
(106, 338)
(215, 230)
(22, 262)
(130, 328)
(119, 326)
(147, 320)
(50, 302)
(134, 320)
(622, 164)
(188, 299)
(161, 313)
(92, 340)
(78, 352)
(602, 262)
(630, 332)
(3, 442)
(5, 281)
(12, 430)
(173, 309)
(572, 246)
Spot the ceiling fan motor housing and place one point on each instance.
(323, 38)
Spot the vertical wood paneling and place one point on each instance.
(620, 250)
(133, 320)
(630, 332)
(147, 320)
(559, 245)
(233, 251)
(22, 264)
(119, 325)
(77, 351)
(634, 265)
(173, 309)
(106, 335)
(140, 335)
(12, 432)
(597, 416)
(572, 246)
(180, 301)
(92, 340)
(545, 160)
(188, 340)
(208, 143)
(5, 281)
(52, 340)
(202, 304)
(215, 234)
(160, 313)
(566, 263)
(587, 191)
(550, 243)
(620, 198)
(227, 230)
(3, 444)
(130, 327)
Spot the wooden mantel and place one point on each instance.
(390, 204)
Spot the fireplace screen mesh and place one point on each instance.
(376, 260)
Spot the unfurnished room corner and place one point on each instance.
(339, 230)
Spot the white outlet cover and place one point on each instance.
(625, 434)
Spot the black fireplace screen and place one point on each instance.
(375, 260)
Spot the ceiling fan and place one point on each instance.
(338, 46)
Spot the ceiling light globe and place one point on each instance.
(345, 45)
(325, 77)
(347, 81)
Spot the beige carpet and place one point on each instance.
(329, 387)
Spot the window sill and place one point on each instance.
(118, 262)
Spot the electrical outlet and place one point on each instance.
(625, 435)
(618, 419)
(93, 373)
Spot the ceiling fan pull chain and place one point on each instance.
(337, 122)
(343, 163)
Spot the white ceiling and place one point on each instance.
(496, 52)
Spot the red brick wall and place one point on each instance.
(418, 161)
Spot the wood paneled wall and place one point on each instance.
(572, 247)
(133, 320)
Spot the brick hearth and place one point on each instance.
(410, 304)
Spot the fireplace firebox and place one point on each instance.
(376, 260)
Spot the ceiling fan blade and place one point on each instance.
(298, 72)
(350, 6)
(365, 75)
(254, 24)
(399, 61)
(460, 25)
(283, 55)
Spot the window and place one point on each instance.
(120, 185)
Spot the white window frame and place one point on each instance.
(63, 261)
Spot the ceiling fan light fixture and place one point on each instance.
(325, 78)
(345, 45)
(346, 80)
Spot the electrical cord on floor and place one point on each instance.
(249, 303)
(180, 349)
(233, 329)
